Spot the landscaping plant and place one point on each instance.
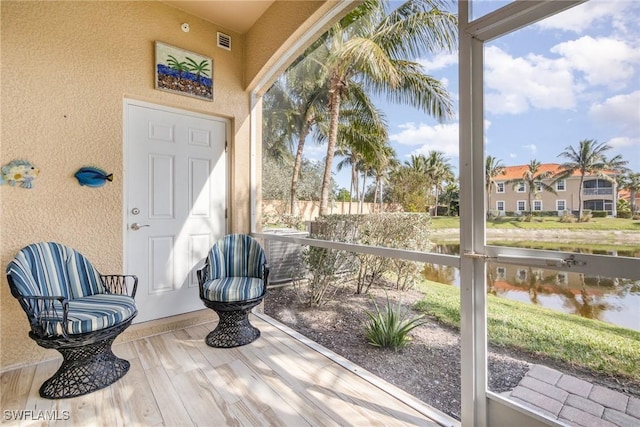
(390, 328)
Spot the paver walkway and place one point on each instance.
(575, 402)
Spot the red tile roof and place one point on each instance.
(516, 172)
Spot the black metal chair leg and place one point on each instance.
(85, 369)
(233, 330)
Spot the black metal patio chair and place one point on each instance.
(75, 310)
(232, 282)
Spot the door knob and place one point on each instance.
(135, 226)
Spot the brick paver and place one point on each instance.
(633, 407)
(545, 388)
(609, 398)
(581, 418)
(620, 419)
(545, 374)
(574, 401)
(537, 399)
(586, 405)
(575, 385)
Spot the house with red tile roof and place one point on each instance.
(598, 192)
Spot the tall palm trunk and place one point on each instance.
(297, 165)
(580, 197)
(364, 183)
(354, 183)
(335, 96)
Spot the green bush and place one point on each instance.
(599, 214)
(391, 327)
(392, 230)
(624, 214)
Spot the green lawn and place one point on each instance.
(544, 223)
(574, 340)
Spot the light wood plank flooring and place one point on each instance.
(177, 380)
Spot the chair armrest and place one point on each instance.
(120, 284)
(42, 308)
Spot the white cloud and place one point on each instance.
(512, 155)
(624, 142)
(587, 15)
(315, 152)
(531, 148)
(619, 109)
(441, 137)
(604, 61)
(438, 62)
(516, 84)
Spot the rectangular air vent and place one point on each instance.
(224, 41)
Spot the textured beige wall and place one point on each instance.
(65, 69)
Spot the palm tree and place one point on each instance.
(372, 47)
(438, 171)
(590, 159)
(198, 68)
(383, 164)
(533, 180)
(631, 182)
(493, 168)
(179, 66)
(301, 103)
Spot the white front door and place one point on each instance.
(176, 193)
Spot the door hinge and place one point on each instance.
(225, 213)
(226, 145)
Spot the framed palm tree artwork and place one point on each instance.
(183, 72)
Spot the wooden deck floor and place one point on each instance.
(177, 380)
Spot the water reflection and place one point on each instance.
(611, 300)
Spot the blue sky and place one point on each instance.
(571, 77)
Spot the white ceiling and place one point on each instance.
(235, 15)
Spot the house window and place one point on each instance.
(522, 205)
(521, 187)
(521, 275)
(538, 187)
(500, 205)
(499, 187)
(537, 205)
(561, 185)
(561, 205)
(561, 278)
(501, 273)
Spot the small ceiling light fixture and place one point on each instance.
(185, 27)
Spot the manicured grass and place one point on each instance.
(570, 247)
(544, 223)
(574, 340)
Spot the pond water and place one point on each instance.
(612, 300)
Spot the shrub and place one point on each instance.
(625, 214)
(567, 217)
(391, 327)
(599, 214)
(323, 266)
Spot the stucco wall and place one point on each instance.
(66, 68)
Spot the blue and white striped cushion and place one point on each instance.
(52, 269)
(46, 264)
(232, 289)
(91, 313)
(84, 280)
(236, 255)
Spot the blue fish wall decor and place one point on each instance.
(18, 173)
(93, 177)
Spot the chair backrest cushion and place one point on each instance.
(52, 269)
(236, 255)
